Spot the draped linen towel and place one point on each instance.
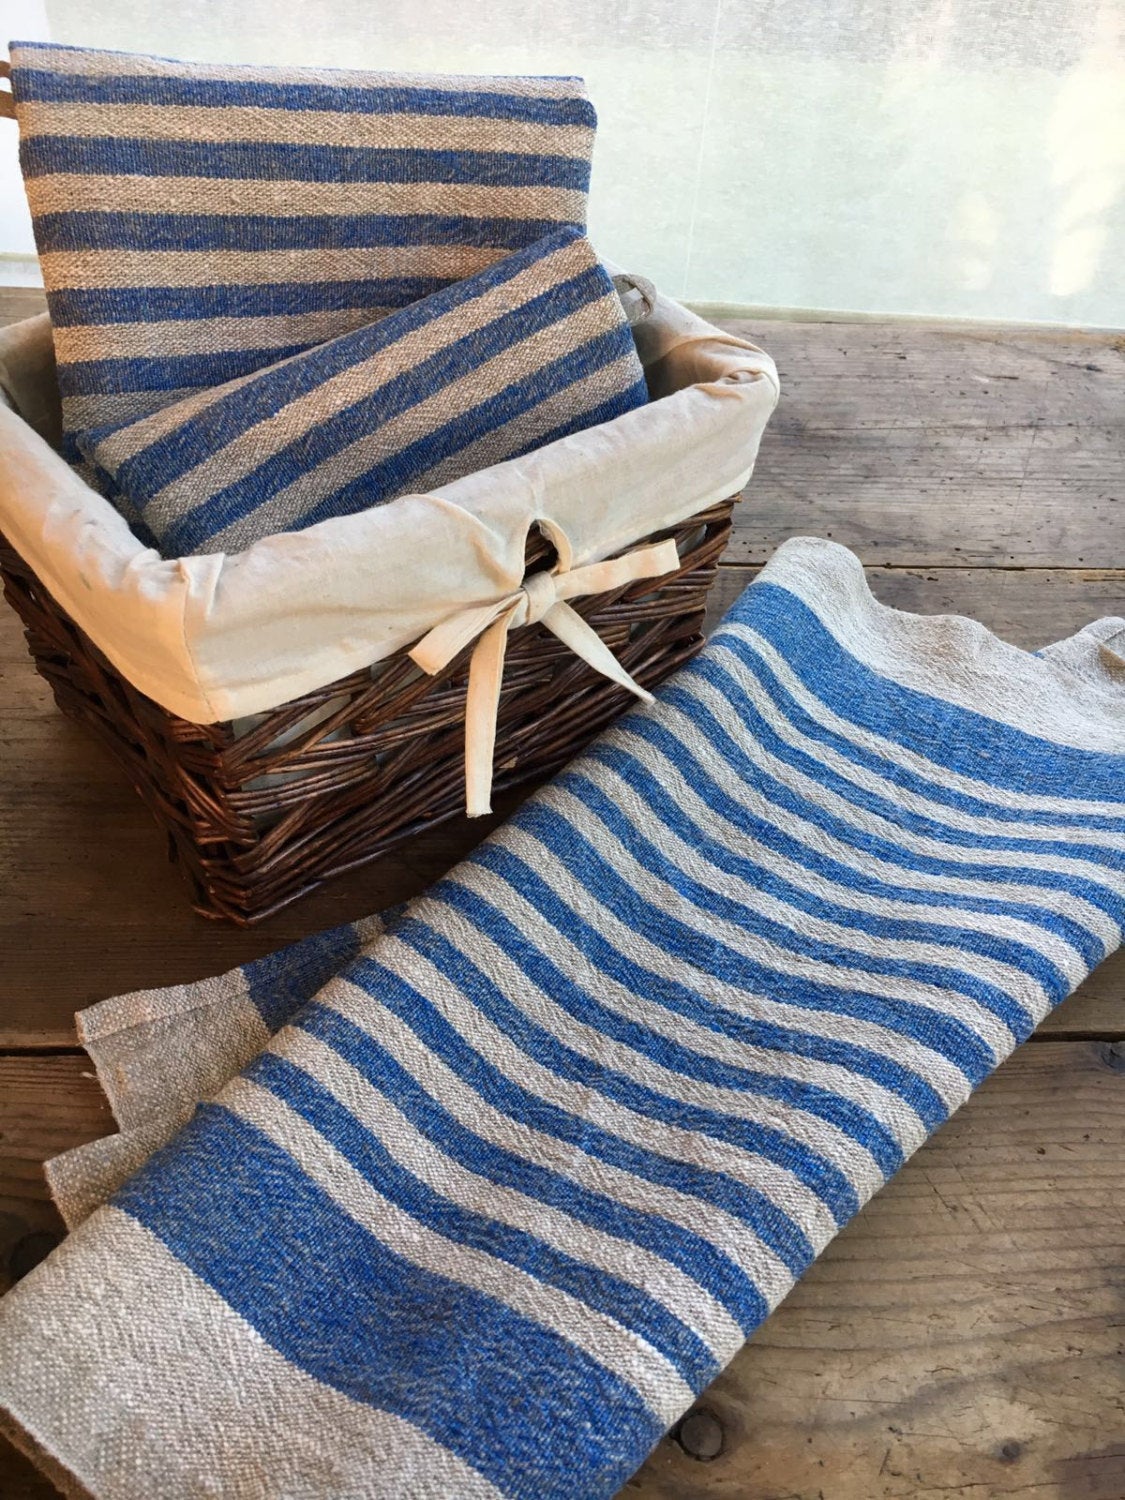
(530, 350)
(489, 1211)
(198, 221)
(159, 1053)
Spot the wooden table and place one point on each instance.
(963, 1338)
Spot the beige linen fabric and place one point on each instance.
(217, 637)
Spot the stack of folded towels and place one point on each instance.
(284, 295)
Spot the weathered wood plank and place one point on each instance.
(961, 1338)
(919, 444)
(47, 1105)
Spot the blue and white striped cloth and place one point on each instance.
(158, 1052)
(196, 222)
(489, 1211)
(531, 349)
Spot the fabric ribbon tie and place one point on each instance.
(540, 599)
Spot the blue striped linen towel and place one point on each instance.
(485, 1215)
(532, 348)
(197, 221)
(159, 1052)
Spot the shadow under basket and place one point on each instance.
(261, 813)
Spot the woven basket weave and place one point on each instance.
(330, 780)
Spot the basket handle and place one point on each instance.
(7, 101)
(637, 295)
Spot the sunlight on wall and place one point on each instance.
(976, 226)
(1086, 145)
(937, 157)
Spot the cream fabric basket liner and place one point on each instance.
(217, 637)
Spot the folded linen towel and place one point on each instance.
(197, 221)
(490, 1210)
(527, 351)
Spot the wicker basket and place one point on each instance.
(260, 817)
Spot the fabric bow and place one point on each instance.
(541, 598)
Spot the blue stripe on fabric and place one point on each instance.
(119, 156)
(625, 400)
(761, 877)
(281, 982)
(959, 739)
(692, 1253)
(73, 307)
(161, 463)
(747, 1204)
(184, 535)
(951, 1038)
(103, 229)
(645, 727)
(44, 85)
(782, 795)
(601, 1290)
(69, 447)
(821, 1176)
(398, 473)
(926, 785)
(577, 1000)
(954, 1039)
(709, 671)
(169, 372)
(680, 998)
(233, 412)
(341, 1305)
(990, 997)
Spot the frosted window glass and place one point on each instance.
(935, 157)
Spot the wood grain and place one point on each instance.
(920, 445)
(47, 1105)
(1028, 607)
